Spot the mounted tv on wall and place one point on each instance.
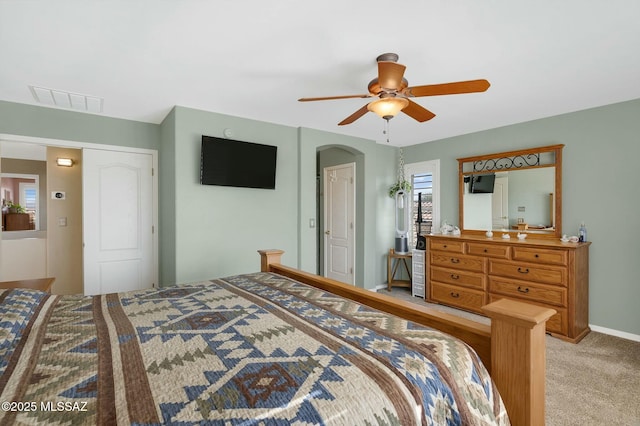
(482, 184)
(228, 162)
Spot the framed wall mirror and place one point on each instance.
(23, 181)
(511, 192)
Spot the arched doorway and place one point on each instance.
(343, 164)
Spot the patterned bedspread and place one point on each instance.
(243, 350)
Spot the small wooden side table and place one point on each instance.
(392, 268)
(42, 284)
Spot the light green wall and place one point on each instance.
(166, 199)
(386, 166)
(219, 229)
(600, 187)
(51, 123)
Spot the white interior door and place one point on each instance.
(339, 213)
(118, 214)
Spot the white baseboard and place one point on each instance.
(617, 333)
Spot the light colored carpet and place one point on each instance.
(594, 382)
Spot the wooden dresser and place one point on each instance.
(469, 271)
(16, 222)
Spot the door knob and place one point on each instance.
(326, 232)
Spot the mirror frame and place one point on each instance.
(557, 163)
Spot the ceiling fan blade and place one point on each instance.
(390, 74)
(459, 87)
(418, 112)
(329, 98)
(353, 117)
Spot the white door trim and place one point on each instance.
(80, 145)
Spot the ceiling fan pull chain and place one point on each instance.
(386, 128)
(401, 166)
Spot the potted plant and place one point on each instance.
(403, 185)
(15, 208)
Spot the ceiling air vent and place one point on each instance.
(68, 100)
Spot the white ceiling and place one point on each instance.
(255, 58)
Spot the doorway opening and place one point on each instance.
(350, 262)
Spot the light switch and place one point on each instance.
(312, 223)
(62, 221)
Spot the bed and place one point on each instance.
(278, 346)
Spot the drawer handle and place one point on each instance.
(455, 277)
(523, 270)
(525, 290)
(444, 246)
(456, 295)
(536, 255)
(485, 250)
(454, 260)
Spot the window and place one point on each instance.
(425, 180)
(29, 200)
(422, 189)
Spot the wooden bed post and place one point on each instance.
(517, 360)
(268, 257)
(512, 348)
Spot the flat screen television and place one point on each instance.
(228, 162)
(482, 184)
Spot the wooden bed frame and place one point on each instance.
(512, 348)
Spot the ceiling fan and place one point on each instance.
(393, 92)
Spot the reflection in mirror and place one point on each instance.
(19, 202)
(515, 191)
(514, 200)
(22, 192)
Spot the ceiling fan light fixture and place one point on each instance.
(388, 107)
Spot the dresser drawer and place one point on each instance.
(463, 298)
(550, 294)
(546, 256)
(489, 250)
(449, 276)
(530, 272)
(558, 323)
(448, 246)
(467, 263)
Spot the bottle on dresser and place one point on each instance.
(582, 233)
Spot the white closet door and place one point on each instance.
(117, 221)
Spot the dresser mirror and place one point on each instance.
(512, 192)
